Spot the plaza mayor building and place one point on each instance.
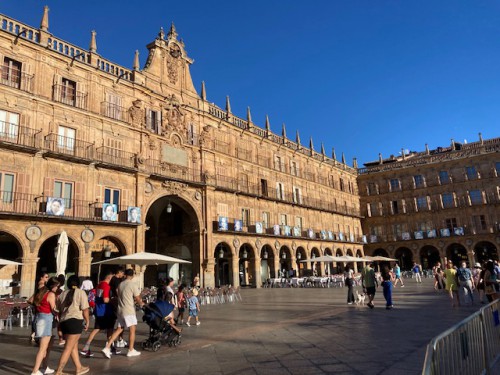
(137, 160)
(134, 160)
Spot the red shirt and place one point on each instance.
(103, 290)
(44, 306)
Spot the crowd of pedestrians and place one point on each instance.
(113, 303)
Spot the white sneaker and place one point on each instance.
(37, 373)
(198, 323)
(107, 353)
(188, 324)
(48, 370)
(133, 353)
(120, 343)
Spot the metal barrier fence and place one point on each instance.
(470, 347)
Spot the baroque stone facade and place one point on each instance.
(434, 205)
(132, 160)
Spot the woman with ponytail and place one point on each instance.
(73, 307)
(44, 301)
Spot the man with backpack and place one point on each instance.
(104, 315)
(465, 280)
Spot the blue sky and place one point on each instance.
(361, 76)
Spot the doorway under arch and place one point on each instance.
(174, 230)
(457, 253)
(246, 266)
(300, 255)
(405, 258)
(285, 261)
(429, 256)
(47, 257)
(10, 275)
(107, 247)
(267, 270)
(223, 265)
(485, 250)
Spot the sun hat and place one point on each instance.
(477, 265)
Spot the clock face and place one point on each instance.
(175, 51)
(33, 233)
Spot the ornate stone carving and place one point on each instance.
(173, 114)
(33, 232)
(174, 187)
(148, 187)
(206, 135)
(152, 144)
(277, 245)
(236, 243)
(136, 113)
(258, 244)
(207, 177)
(173, 64)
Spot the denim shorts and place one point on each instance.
(193, 312)
(43, 325)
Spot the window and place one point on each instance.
(395, 184)
(444, 177)
(64, 190)
(280, 191)
(11, 72)
(419, 181)
(422, 203)
(341, 183)
(222, 210)
(471, 173)
(113, 107)
(424, 226)
(299, 221)
(66, 139)
(376, 230)
(497, 168)
(243, 182)
(263, 187)
(245, 217)
(394, 207)
(112, 196)
(294, 168)
(153, 120)
(297, 195)
(476, 197)
(479, 222)
(403, 206)
(6, 187)
(283, 219)
(68, 92)
(398, 229)
(9, 125)
(374, 209)
(279, 163)
(447, 200)
(451, 223)
(266, 218)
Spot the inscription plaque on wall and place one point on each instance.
(174, 155)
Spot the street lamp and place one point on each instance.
(245, 254)
(265, 254)
(169, 207)
(221, 253)
(283, 256)
(299, 256)
(107, 251)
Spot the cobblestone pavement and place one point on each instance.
(281, 331)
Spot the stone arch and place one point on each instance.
(47, 260)
(405, 258)
(456, 252)
(380, 252)
(223, 268)
(73, 236)
(285, 262)
(247, 265)
(359, 253)
(181, 196)
(349, 252)
(484, 251)
(12, 249)
(267, 262)
(339, 252)
(300, 255)
(429, 256)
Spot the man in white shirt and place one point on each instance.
(87, 285)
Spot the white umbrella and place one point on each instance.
(5, 262)
(379, 258)
(62, 253)
(143, 259)
(326, 259)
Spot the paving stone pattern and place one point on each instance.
(281, 331)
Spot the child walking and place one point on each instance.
(181, 304)
(194, 306)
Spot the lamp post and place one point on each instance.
(219, 255)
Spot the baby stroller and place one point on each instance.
(160, 331)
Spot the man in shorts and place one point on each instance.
(397, 274)
(369, 283)
(114, 283)
(104, 315)
(128, 295)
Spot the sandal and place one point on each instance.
(83, 370)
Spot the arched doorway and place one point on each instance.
(405, 258)
(246, 266)
(47, 255)
(173, 230)
(339, 267)
(429, 256)
(300, 255)
(105, 248)
(10, 275)
(267, 270)
(223, 264)
(484, 251)
(329, 269)
(285, 261)
(315, 266)
(457, 253)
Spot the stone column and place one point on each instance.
(472, 258)
(209, 278)
(28, 276)
(236, 270)
(277, 265)
(84, 265)
(257, 272)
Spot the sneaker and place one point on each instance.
(48, 370)
(187, 323)
(107, 353)
(349, 303)
(37, 373)
(198, 323)
(89, 354)
(402, 286)
(389, 307)
(61, 342)
(120, 343)
(371, 305)
(133, 353)
(115, 351)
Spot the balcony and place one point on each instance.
(175, 172)
(14, 203)
(16, 136)
(114, 111)
(70, 96)
(115, 157)
(17, 79)
(74, 149)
